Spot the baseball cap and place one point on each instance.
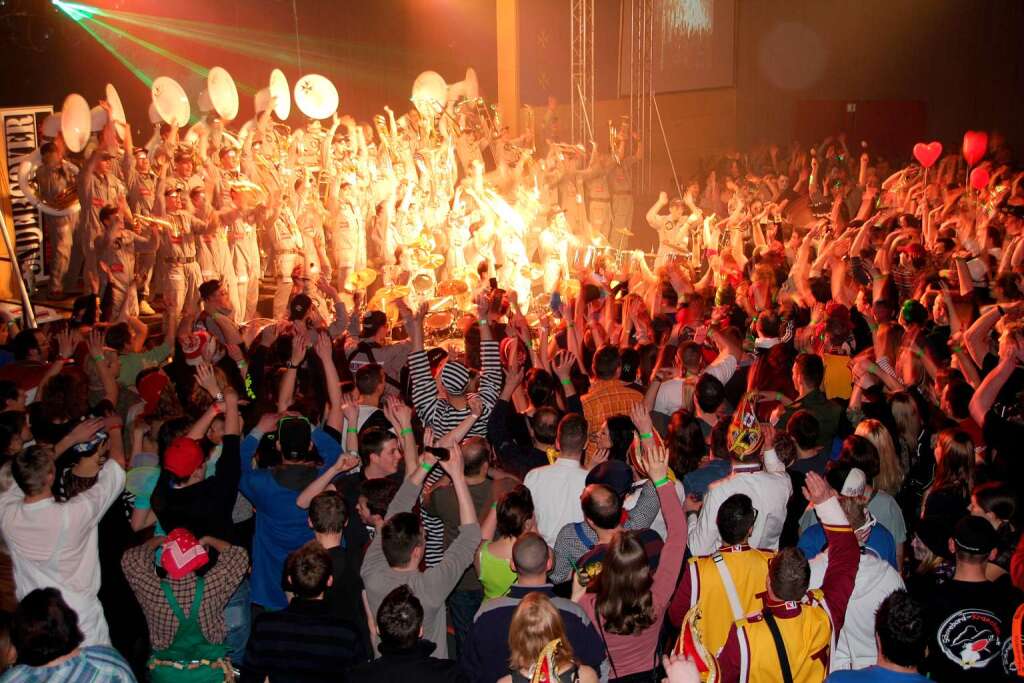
(975, 535)
(614, 474)
(299, 306)
(294, 435)
(182, 457)
(371, 322)
(193, 345)
(182, 554)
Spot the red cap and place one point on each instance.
(182, 457)
(182, 554)
(193, 345)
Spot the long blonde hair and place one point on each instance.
(890, 471)
(536, 623)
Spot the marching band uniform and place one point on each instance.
(51, 181)
(96, 189)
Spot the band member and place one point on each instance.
(620, 177)
(54, 178)
(177, 248)
(673, 229)
(98, 186)
(118, 248)
(140, 180)
(241, 218)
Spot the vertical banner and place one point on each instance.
(21, 137)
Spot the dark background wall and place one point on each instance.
(959, 62)
(961, 58)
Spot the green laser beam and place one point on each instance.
(79, 16)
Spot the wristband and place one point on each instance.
(494, 506)
(778, 396)
(217, 408)
(351, 430)
(482, 323)
(426, 466)
(113, 428)
(98, 357)
(407, 430)
(647, 435)
(661, 482)
(567, 382)
(569, 326)
(219, 397)
(241, 364)
(64, 359)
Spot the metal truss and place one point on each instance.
(581, 46)
(638, 17)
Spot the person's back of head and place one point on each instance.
(958, 396)
(118, 336)
(623, 586)
(514, 512)
(709, 393)
(572, 435)
(606, 362)
(601, 506)
(540, 387)
(378, 494)
(900, 629)
(544, 425)
(735, 519)
(328, 513)
(804, 428)
(809, 369)
(629, 360)
(308, 571)
(33, 470)
(769, 325)
(400, 538)
(45, 627)
(531, 556)
(370, 379)
(476, 452)
(973, 541)
(789, 574)
(859, 452)
(400, 619)
(24, 343)
(535, 623)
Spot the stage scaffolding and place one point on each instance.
(637, 18)
(581, 46)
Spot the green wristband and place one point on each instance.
(661, 482)
(567, 382)
(647, 435)
(407, 430)
(426, 466)
(482, 323)
(351, 430)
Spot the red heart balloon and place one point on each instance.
(979, 178)
(975, 144)
(927, 154)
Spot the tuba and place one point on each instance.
(65, 204)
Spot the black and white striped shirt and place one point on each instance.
(441, 415)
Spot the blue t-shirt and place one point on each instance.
(874, 674)
(880, 540)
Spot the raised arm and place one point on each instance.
(325, 352)
(300, 345)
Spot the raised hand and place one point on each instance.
(641, 418)
(300, 345)
(454, 464)
(816, 489)
(655, 459)
(65, 343)
(323, 347)
(350, 411)
(207, 379)
(398, 413)
(476, 405)
(562, 364)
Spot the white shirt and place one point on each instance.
(876, 579)
(723, 367)
(769, 490)
(670, 396)
(556, 490)
(53, 545)
(364, 414)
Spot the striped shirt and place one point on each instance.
(441, 415)
(99, 663)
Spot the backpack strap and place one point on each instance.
(578, 528)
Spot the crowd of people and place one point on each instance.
(783, 451)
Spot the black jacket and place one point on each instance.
(404, 666)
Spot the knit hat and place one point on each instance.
(182, 457)
(182, 554)
(454, 377)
